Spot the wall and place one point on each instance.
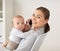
(1, 21)
(27, 7)
(8, 8)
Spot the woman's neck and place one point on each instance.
(36, 28)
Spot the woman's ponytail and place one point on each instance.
(47, 28)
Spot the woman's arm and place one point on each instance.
(26, 44)
(31, 43)
(38, 42)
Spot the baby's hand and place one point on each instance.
(29, 22)
(5, 44)
(28, 25)
(26, 28)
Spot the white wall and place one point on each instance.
(27, 7)
(8, 8)
(0, 5)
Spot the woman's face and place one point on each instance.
(38, 19)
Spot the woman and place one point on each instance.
(40, 26)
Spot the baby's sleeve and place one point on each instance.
(21, 34)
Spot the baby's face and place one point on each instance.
(18, 23)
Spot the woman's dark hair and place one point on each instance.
(46, 16)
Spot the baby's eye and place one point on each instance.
(17, 22)
(22, 23)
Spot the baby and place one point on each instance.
(16, 34)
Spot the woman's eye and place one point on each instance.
(38, 17)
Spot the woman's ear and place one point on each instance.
(46, 21)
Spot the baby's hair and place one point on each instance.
(17, 16)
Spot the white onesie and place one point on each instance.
(16, 35)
